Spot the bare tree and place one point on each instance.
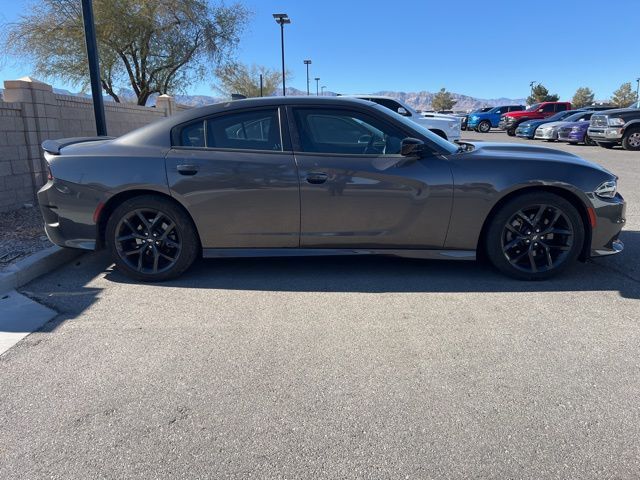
(153, 46)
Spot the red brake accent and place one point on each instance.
(96, 214)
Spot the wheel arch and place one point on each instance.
(439, 132)
(116, 200)
(567, 194)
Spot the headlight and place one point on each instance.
(473, 117)
(607, 189)
(575, 129)
(616, 121)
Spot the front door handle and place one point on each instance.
(187, 169)
(317, 177)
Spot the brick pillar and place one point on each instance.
(167, 104)
(40, 113)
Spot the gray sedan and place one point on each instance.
(323, 176)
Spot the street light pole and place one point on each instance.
(307, 63)
(282, 19)
(322, 90)
(94, 67)
(317, 79)
(638, 89)
(532, 84)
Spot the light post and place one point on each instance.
(282, 19)
(322, 90)
(94, 67)
(638, 89)
(317, 79)
(532, 84)
(307, 63)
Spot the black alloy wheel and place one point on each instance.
(150, 239)
(535, 236)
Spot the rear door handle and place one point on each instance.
(317, 177)
(187, 169)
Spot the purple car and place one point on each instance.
(576, 132)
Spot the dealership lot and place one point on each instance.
(334, 368)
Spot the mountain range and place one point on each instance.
(418, 100)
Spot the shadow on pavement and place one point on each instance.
(384, 274)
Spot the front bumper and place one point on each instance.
(609, 219)
(508, 124)
(528, 132)
(576, 137)
(605, 134)
(546, 134)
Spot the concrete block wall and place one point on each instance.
(31, 113)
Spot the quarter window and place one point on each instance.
(249, 130)
(345, 132)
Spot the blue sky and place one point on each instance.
(487, 49)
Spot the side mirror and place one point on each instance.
(412, 147)
(403, 111)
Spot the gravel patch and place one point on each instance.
(21, 234)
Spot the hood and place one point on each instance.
(551, 124)
(583, 124)
(440, 116)
(520, 113)
(525, 152)
(533, 123)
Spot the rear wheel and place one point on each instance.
(631, 139)
(534, 236)
(151, 238)
(484, 126)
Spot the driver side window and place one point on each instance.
(345, 132)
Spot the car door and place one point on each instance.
(238, 179)
(356, 190)
(495, 116)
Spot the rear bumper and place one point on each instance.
(75, 227)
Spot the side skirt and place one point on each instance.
(318, 252)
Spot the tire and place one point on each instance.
(631, 139)
(511, 132)
(606, 145)
(484, 126)
(151, 239)
(572, 143)
(515, 248)
(588, 141)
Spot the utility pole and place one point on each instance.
(322, 90)
(638, 89)
(532, 84)
(307, 63)
(261, 85)
(94, 67)
(317, 79)
(282, 19)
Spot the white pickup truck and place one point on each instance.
(447, 126)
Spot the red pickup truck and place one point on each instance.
(510, 121)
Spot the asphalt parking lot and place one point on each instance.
(333, 368)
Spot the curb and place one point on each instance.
(33, 266)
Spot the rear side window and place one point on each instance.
(516, 108)
(550, 107)
(249, 130)
(561, 107)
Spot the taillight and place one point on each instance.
(49, 174)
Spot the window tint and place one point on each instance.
(515, 108)
(346, 132)
(561, 107)
(253, 130)
(550, 107)
(192, 135)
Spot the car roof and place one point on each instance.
(156, 133)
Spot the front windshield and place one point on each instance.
(557, 116)
(577, 116)
(635, 105)
(533, 107)
(438, 140)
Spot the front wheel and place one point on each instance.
(511, 132)
(151, 238)
(484, 126)
(534, 236)
(631, 139)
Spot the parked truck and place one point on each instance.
(510, 121)
(617, 127)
